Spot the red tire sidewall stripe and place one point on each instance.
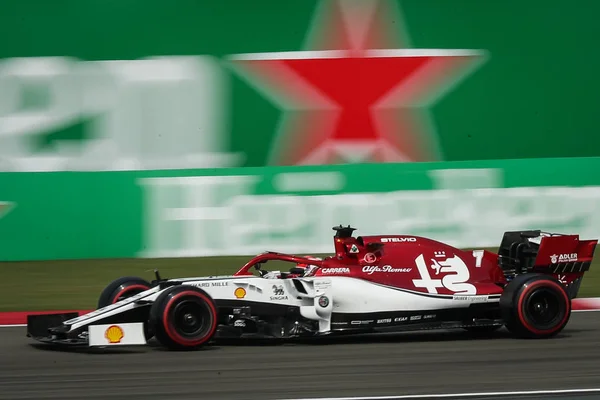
(127, 289)
(520, 308)
(178, 338)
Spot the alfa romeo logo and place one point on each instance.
(323, 301)
(370, 258)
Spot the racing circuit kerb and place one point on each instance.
(371, 283)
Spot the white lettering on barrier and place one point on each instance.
(190, 216)
(154, 113)
(240, 223)
(35, 94)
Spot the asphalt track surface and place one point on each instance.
(390, 364)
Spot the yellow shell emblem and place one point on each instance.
(240, 293)
(114, 334)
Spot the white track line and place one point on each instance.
(461, 395)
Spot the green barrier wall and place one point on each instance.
(249, 210)
(103, 94)
(104, 85)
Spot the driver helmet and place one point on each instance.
(308, 268)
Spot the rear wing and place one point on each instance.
(565, 256)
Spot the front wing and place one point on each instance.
(50, 329)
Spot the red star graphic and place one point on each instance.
(357, 103)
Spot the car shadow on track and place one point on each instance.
(338, 339)
(374, 338)
(152, 345)
(82, 349)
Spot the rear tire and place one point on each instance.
(183, 318)
(535, 306)
(122, 288)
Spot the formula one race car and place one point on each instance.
(372, 283)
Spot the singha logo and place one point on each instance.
(278, 293)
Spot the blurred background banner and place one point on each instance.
(132, 85)
(197, 128)
(243, 211)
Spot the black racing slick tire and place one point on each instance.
(122, 288)
(535, 306)
(183, 317)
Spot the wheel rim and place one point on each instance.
(191, 319)
(543, 308)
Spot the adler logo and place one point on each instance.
(563, 258)
(398, 240)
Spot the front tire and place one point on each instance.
(183, 318)
(535, 306)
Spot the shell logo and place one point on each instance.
(240, 293)
(114, 334)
